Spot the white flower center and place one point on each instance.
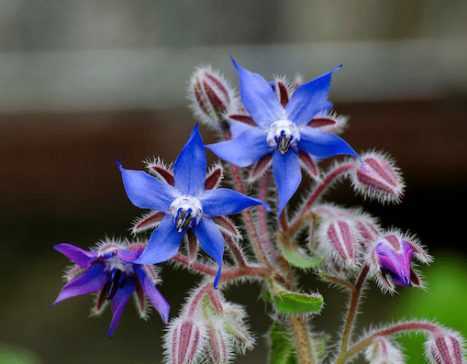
(282, 135)
(186, 211)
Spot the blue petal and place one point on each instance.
(146, 191)
(190, 166)
(118, 304)
(237, 128)
(258, 97)
(324, 145)
(212, 243)
(223, 201)
(287, 174)
(244, 150)
(163, 243)
(90, 281)
(310, 99)
(151, 292)
(77, 255)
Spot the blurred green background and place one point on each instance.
(85, 83)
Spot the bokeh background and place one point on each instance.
(85, 83)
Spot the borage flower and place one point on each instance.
(107, 272)
(392, 259)
(187, 206)
(282, 132)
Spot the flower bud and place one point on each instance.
(236, 327)
(383, 351)
(218, 348)
(185, 341)
(376, 176)
(445, 347)
(211, 97)
(391, 259)
(338, 240)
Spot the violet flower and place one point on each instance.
(186, 205)
(281, 131)
(107, 272)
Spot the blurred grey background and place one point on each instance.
(84, 83)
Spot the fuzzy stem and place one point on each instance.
(302, 339)
(352, 312)
(403, 327)
(323, 185)
(228, 274)
(236, 251)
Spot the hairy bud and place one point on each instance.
(383, 351)
(236, 327)
(185, 341)
(338, 240)
(376, 176)
(445, 347)
(218, 348)
(211, 97)
(391, 260)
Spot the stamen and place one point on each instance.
(283, 135)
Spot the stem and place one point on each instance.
(352, 313)
(302, 339)
(388, 331)
(229, 274)
(323, 185)
(236, 251)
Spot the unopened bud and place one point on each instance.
(211, 97)
(218, 345)
(338, 240)
(185, 341)
(236, 327)
(376, 176)
(445, 347)
(383, 351)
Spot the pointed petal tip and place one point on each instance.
(119, 165)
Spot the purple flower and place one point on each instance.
(392, 259)
(281, 131)
(107, 272)
(186, 206)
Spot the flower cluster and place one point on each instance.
(269, 132)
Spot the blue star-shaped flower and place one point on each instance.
(187, 205)
(281, 131)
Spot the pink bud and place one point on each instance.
(445, 347)
(211, 97)
(338, 239)
(383, 351)
(376, 176)
(185, 341)
(218, 345)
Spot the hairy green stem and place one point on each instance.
(301, 335)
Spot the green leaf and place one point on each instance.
(281, 346)
(297, 257)
(289, 302)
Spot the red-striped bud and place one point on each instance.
(219, 347)
(445, 347)
(383, 351)
(211, 97)
(185, 341)
(338, 240)
(376, 176)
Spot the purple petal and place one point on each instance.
(244, 150)
(258, 97)
(77, 255)
(237, 128)
(155, 297)
(310, 99)
(397, 265)
(224, 201)
(323, 145)
(146, 191)
(118, 304)
(90, 281)
(212, 243)
(163, 243)
(190, 166)
(287, 174)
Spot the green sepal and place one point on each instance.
(288, 302)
